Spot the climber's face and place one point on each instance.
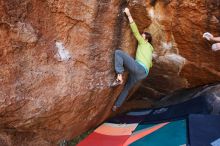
(147, 36)
(144, 36)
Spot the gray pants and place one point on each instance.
(136, 73)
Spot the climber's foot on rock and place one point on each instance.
(117, 81)
(114, 108)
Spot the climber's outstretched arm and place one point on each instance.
(133, 26)
(127, 12)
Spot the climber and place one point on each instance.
(210, 37)
(139, 68)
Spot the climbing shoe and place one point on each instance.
(114, 108)
(116, 83)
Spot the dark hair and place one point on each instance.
(148, 37)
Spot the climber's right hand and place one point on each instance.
(126, 11)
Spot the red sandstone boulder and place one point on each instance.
(56, 60)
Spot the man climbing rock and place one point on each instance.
(210, 37)
(138, 68)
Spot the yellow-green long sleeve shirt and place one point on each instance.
(144, 50)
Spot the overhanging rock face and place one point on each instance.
(182, 58)
(56, 60)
